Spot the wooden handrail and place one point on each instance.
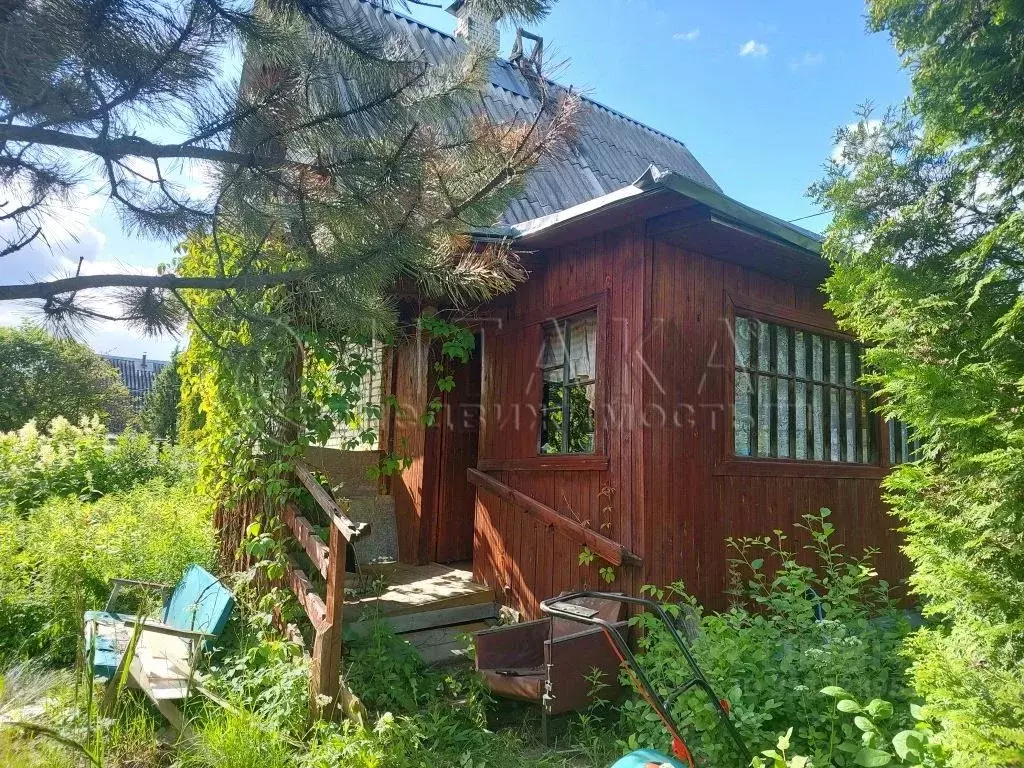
(310, 601)
(605, 548)
(302, 530)
(325, 612)
(349, 529)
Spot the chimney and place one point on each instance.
(475, 26)
(143, 361)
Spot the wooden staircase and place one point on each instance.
(432, 606)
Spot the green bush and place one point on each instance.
(57, 559)
(79, 461)
(770, 656)
(865, 736)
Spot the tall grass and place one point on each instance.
(57, 560)
(38, 462)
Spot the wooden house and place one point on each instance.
(667, 377)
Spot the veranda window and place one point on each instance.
(797, 396)
(569, 375)
(903, 444)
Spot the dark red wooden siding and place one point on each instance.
(668, 490)
(459, 432)
(520, 557)
(698, 497)
(414, 489)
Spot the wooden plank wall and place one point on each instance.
(413, 488)
(522, 559)
(690, 352)
(664, 354)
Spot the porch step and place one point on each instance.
(432, 606)
(417, 589)
(444, 645)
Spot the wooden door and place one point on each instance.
(459, 436)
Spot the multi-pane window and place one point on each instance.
(798, 396)
(569, 374)
(903, 444)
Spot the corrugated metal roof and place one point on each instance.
(137, 374)
(612, 151)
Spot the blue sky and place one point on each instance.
(761, 123)
(754, 89)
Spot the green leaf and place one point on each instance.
(864, 724)
(848, 705)
(783, 742)
(757, 564)
(879, 709)
(835, 692)
(871, 758)
(906, 742)
(917, 712)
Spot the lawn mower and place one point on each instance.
(563, 607)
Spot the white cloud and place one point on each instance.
(872, 127)
(73, 230)
(808, 59)
(753, 48)
(688, 37)
(73, 234)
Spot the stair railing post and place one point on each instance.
(325, 668)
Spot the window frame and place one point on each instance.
(567, 384)
(765, 466)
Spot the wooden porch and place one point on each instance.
(429, 605)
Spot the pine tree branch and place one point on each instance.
(49, 288)
(134, 146)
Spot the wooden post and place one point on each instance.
(325, 666)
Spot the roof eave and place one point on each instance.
(650, 183)
(741, 214)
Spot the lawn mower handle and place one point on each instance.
(562, 607)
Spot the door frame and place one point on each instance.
(438, 445)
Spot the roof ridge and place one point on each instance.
(594, 102)
(408, 19)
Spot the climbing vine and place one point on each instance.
(257, 391)
(456, 346)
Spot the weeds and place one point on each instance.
(793, 630)
(58, 560)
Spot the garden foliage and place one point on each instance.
(864, 736)
(56, 559)
(237, 409)
(64, 459)
(926, 243)
(771, 653)
(418, 717)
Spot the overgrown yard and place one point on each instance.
(812, 651)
